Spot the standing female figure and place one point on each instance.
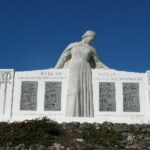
(80, 58)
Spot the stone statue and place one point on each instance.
(80, 57)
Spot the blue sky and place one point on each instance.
(33, 33)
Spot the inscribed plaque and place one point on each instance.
(52, 96)
(131, 97)
(28, 95)
(107, 96)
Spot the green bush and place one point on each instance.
(101, 136)
(30, 132)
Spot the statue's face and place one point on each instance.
(89, 39)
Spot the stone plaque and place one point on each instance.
(107, 96)
(52, 96)
(29, 95)
(131, 97)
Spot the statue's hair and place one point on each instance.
(88, 33)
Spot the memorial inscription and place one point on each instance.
(107, 96)
(52, 96)
(131, 97)
(29, 95)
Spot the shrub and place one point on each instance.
(102, 136)
(41, 131)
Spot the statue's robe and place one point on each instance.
(80, 59)
(64, 60)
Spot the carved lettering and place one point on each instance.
(107, 96)
(131, 97)
(52, 96)
(29, 95)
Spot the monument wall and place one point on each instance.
(79, 88)
(6, 91)
(118, 96)
(148, 93)
(40, 93)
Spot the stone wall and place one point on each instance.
(118, 96)
(6, 93)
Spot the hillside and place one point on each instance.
(45, 134)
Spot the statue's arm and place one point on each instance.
(63, 58)
(98, 63)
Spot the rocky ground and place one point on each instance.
(46, 134)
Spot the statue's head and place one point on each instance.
(89, 36)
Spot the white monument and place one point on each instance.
(80, 58)
(79, 88)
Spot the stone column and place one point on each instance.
(6, 93)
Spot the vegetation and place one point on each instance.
(30, 132)
(101, 136)
(74, 135)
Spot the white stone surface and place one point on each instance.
(119, 77)
(41, 76)
(148, 94)
(80, 85)
(12, 104)
(6, 91)
(80, 58)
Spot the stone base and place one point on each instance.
(118, 96)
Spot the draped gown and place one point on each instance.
(80, 58)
